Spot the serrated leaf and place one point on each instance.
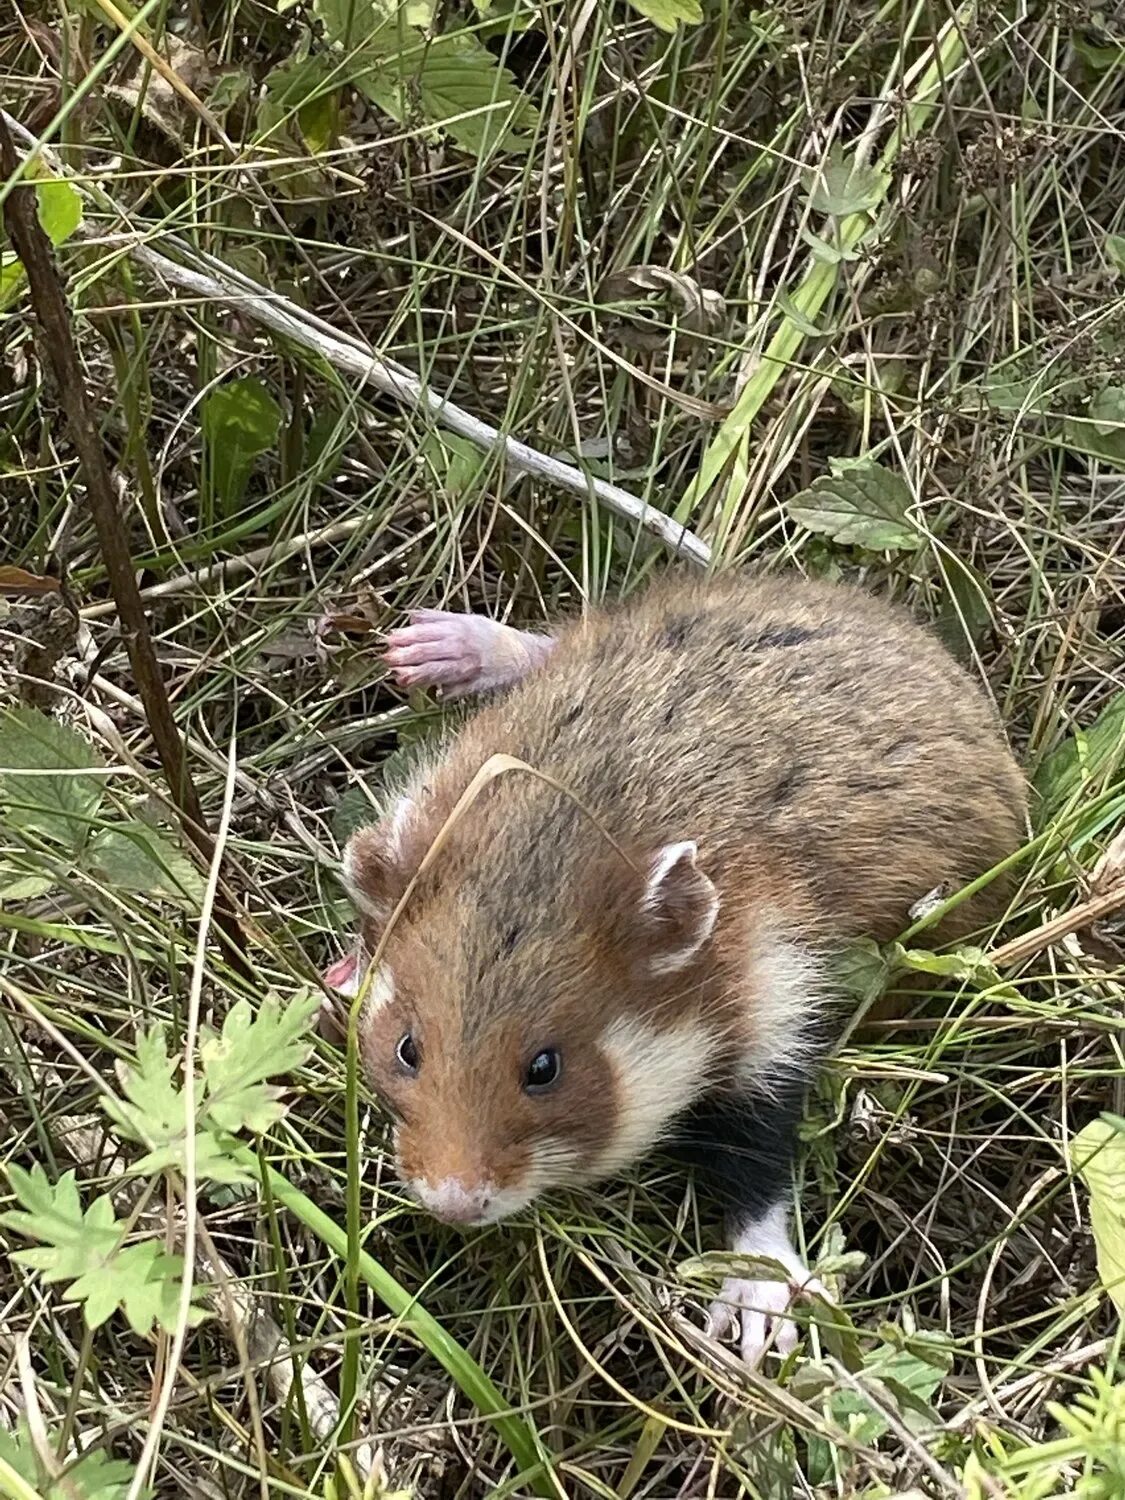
(152, 1111)
(459, 87)
(859, 504)
(240, 422)
(905, 1381)
(861, 971)
(669, 15)
(135, 857)
(1092, 757)
(59, 208)
(94, 1476)
(1115, 252)
(84, 1249)
(57, 806)
(844, 186)
(250, 1049)
(1098, 1153)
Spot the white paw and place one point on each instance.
(755, 1314)
(460, 654)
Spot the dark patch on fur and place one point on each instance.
(572, 715)
(863, 784)
(509, 938)
(792, 781)
(782, 636)
(675, 632)
(900, 750)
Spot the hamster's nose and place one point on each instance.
(455, 1201)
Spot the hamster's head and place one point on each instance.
(529, 1027)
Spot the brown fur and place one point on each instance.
(829, 758)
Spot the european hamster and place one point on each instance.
(752, 772)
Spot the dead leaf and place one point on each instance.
(697, 309)
(1109, 872)
(19, 581)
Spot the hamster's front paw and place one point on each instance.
(756, 1314)
(461, 654)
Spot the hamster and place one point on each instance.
(752, 773)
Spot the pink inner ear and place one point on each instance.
(342, 974)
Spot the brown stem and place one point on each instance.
(49, 301)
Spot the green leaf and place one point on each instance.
(57, 806)
(135, 857)
(249, 1050)
(967, 963)
(240, 421)
(1091, 759)
(1098, 1153)
(1101, 433)
(153, 1112)
(16, 886)
(844, 187)
(824, 251)
(861, 971)
(859, 504)
(965, 614)
(60, 208)
(669, 14)
(84, 1248)
(1115, 252)
(94, 1476)
(460, 88)
(797, 317)
(456, 462)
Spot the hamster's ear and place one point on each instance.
(679, 907)
(371, 870)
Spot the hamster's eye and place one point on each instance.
(543, 1071)
(407, 1054)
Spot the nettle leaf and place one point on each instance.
(859, 504)
(669, 14)
(57, 806)
(134, 856)
(459, 87)
(240, 422)
(85, 1249)
(1098, 1152)
(249, 1050)
(842, 187)
(1089, 756)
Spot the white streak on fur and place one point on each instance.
(787, 989)
(381, 990)
(659, 1072)
(666, 861)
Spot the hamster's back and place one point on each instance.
(803, 727)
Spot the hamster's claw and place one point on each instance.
(755, 1315)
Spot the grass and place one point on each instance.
(974, 343)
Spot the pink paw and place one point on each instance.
(461, 654)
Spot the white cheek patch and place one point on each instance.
(659, 1072)
(788, 989)
(381, 990)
